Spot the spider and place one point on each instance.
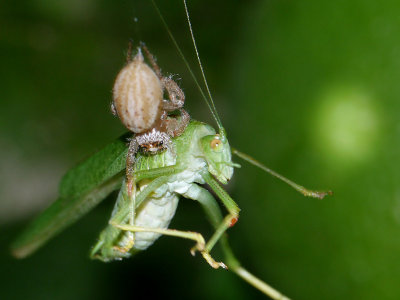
(138, 102)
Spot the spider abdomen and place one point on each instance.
(138, 95)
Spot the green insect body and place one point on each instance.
(198, 151)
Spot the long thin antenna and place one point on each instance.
(200, 64)
(210, 104)
(297, 187)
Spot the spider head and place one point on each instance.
(153, 148)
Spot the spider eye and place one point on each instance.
(216, 143)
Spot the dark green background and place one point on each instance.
(311, 88)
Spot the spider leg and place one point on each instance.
(175, 94)
(129, 52)
(152, 60)
(130, 163)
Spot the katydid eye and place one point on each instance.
(215, 144)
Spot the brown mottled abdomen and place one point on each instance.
(137, 96)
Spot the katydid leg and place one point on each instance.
(214, 216)
(151, 187)
(129, 200)
(230, 205)
(128, 208)
(213, 212)
(195, 236)
(157, 172)
(132, 178)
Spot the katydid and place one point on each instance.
(150, 191)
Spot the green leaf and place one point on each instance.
(81, 189)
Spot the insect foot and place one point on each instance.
(200, 246)
(212, 262)
(129, 243)
(126, 248)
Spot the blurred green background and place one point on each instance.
(308, 87)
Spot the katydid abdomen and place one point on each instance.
(154, 213)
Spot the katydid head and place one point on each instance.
(217, 153)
